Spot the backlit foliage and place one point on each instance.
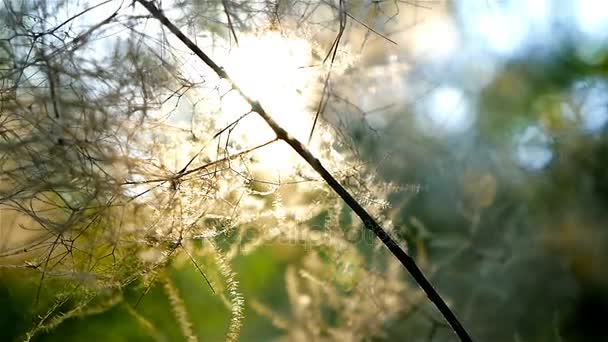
(122, 159)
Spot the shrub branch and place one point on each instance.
(369, 222)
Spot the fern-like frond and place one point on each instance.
(237, 302)
(179, 309)
(53, 318)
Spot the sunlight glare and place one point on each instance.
(275, 70)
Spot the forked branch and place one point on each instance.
(369, 222)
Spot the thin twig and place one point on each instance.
(184, 172)
(230, 25)
(332, 52)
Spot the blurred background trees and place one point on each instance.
(476, 131)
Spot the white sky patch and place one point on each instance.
(446, 110)
(592, 18)
(591, 104)
(533, 150)
(435, 40)
(535, 9)
(476, 69)
(506, 27)
(493, 26)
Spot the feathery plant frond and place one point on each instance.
(179, 309)
(88, 304)
(236, 299)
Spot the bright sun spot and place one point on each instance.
(275, 70)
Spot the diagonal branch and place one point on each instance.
(369, 222)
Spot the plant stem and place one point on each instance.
(369, 222)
